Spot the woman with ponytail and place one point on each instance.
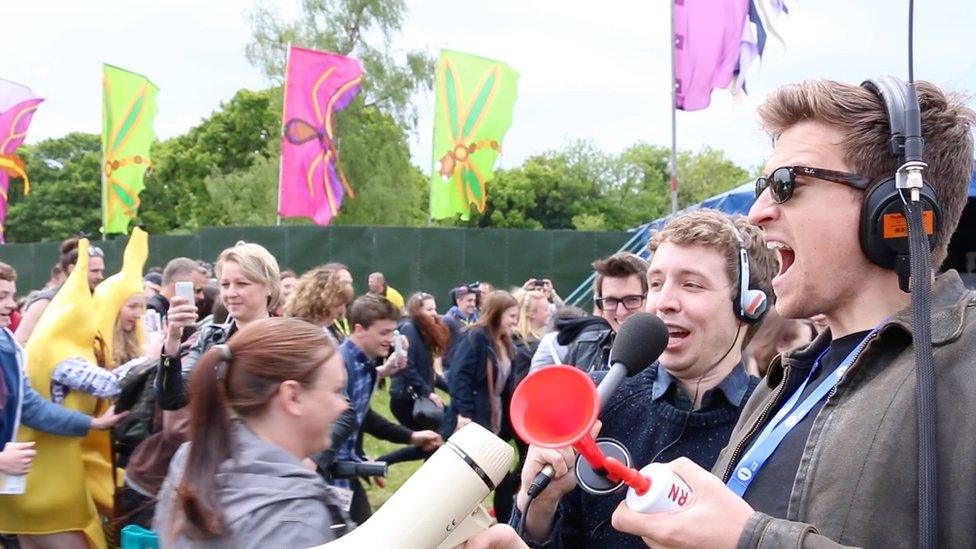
(259, 405)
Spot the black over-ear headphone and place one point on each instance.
(749, 304)
(884, 228)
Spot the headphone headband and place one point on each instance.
(891, 90)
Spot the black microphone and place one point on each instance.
(641, 340)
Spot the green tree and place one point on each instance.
(242, 132)
(65, 195)
(706, 173)
(248, 196)
(581, 187)
(376, 160)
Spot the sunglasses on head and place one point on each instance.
(782, 181)
(95, 251)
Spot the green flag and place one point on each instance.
(475, 98)
(128, 110)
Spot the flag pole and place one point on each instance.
(433, 153)
(281, 130)
(674, 139)
(102, 167)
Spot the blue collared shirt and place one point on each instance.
(733, 388)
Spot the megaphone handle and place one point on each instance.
(587, 448)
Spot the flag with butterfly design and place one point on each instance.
(128, 111)
(475, 100)
(17, 106)
(317, 86)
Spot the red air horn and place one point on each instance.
(556, 407)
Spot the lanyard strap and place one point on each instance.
(786, 419)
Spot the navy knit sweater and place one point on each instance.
(645, 426)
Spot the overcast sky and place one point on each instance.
(590, 70)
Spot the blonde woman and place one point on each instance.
(533, 320)
(250, 284)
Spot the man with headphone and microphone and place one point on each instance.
(707, 280)
(826, 451)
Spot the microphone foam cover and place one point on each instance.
(641, 340)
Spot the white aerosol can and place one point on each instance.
(666, 493)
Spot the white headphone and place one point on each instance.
(750, 304)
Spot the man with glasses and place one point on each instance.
(826, 451)
(688, 402)
(619, 290)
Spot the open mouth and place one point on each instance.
(786, 256)
(676, 335)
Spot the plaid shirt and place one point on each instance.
(361, 375)
(78, 374)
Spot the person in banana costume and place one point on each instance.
(58, 508)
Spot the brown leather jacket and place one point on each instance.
(856, 484)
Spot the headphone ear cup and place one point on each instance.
(753, 305)
(880, 238)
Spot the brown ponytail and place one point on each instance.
(241, 382)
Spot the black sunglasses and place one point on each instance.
(782, 182)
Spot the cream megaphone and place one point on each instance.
(440, 505)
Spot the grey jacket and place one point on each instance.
(856, 484)
(268, 499)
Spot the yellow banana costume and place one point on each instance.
(71, 475)
(109, 297)
(57, 498)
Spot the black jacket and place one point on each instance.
(419, 373)
(174, 371)
(589, 340)
(468, 382)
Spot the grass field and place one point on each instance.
(399, 473)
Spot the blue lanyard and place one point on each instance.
(786, 419)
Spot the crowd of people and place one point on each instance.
(248, 394)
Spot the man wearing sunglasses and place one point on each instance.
(826, 450)
(619, 291)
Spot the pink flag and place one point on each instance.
(17, 106)
(707, 43)
(317, 85)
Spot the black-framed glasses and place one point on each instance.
(630, 302)
(782, 181)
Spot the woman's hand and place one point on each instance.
(182, 314)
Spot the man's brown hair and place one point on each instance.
(860, 114)
(619, 265)
(7, 272)
(369, 308)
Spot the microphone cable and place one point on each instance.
(694, 399)
(539, 483)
